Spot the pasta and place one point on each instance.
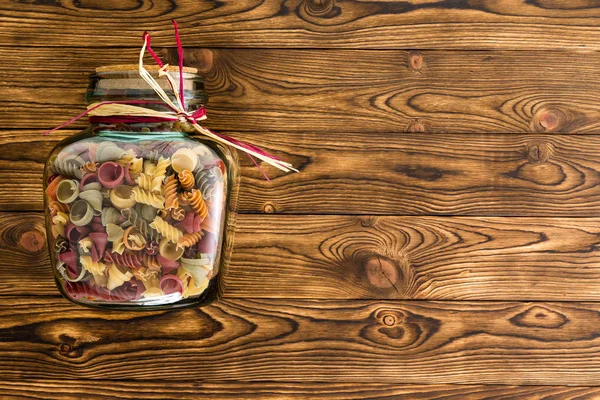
(82, 213)
(132, 260)
(116, 277)
(189, 239)
(161, 168)
(206, 180)
(52, 186)
(186, 180)
(145, 197)
(110, 215)
(122, 197)
(127, 157)
(108, 151)
(184, 159)
(69, 166)
(115, 235)
(89, 167)
(170, 192)
(145, 211)
(150, 184)
(140, 224)
(67, 191)
(165, 229)
(97, 269)
(93, 197)
(178, 214)
(135, 167)
(133, 239)
(150, 262)
(170, 250)
(197, 203)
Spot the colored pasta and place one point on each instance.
(197, 203)
(145, 197)
(165, 229)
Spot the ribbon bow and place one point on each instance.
(127, 111)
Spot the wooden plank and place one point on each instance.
(335, 257)
(400, 174)
(160, 389)
(291, 340)
(262, 90)
(541, 24)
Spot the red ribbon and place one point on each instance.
(199, 113)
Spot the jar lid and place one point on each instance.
(135, 67)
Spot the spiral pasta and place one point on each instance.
(131, 260)
(170, 192)
(206, 179)
(197, 203)
(150, 262)
(116, 278)
(89, 167)
(186, 179)
(148, 183)
(145, 197)
(69, 166)
(161, 167)
(140, 224)
(178, 214)
(189, 239)
(165, 229)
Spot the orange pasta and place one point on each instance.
(178, 214)
(56, 207)
(51, 188)
(170, 192)
(89, 167)
(186, 179)
(197, 203)
(189, 239)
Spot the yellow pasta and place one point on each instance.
(116, 278)
(135, 168)
(149, 183)
(127, 157)
(186, 179)
(161, 167)
(97, 269)
(189, 239)
(170, 192)
(165, 229)
(145, 197)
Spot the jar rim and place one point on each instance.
(135, 67)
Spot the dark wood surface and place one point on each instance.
(441, 241)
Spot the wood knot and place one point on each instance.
(368, 221)
(269, 208)
(381, 272)
(539, 317)
(318, 8)
(539, 151)
(389, 320)
(548, 120)
(32, 241)
(415, 127)
(64, 349)
(203, 59)
(415, 61)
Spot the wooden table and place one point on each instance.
(440, 241)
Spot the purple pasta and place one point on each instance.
(126, 259)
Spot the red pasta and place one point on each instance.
(127, 259)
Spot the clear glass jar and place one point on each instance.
(140, 215)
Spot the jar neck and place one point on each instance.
(127, 85)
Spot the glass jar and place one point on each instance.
(140, 215)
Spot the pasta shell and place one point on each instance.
(94, 197)
(184, 159)
(82, 213)
(67, 191)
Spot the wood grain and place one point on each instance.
(168, 390)
(390, 174)
(270, 90)
(283, 340)
(489, 24)
(331, 257)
